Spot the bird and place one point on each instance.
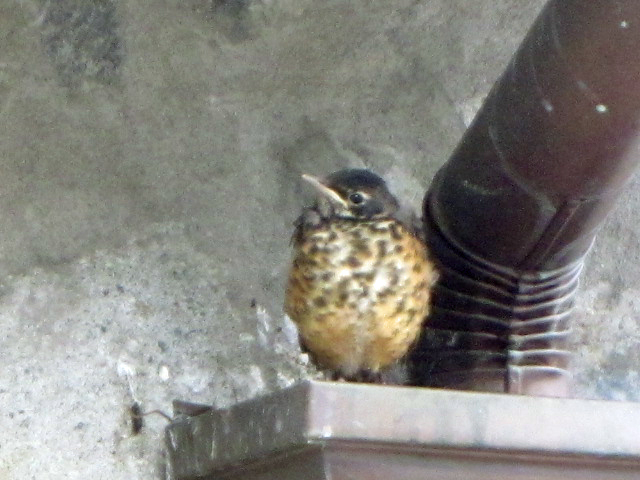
(360, 280)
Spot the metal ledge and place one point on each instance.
(322, 430)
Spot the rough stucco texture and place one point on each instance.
(151, 154)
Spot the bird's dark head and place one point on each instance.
(353, 193)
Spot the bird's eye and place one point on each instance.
(356, 198)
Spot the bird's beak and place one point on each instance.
(325, 191)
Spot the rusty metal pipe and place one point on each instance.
(512, 214)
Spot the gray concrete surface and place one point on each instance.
(151, 154)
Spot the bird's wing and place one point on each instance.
(308, 219)
(407, 217)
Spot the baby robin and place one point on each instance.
(360, 282)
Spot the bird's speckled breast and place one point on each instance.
(359, 292)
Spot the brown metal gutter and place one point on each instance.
(322, 430)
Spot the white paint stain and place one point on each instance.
(125, 369)
(602, 108)
(163, 373)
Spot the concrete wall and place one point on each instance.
(151, 154)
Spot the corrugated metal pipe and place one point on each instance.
(512, 214)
